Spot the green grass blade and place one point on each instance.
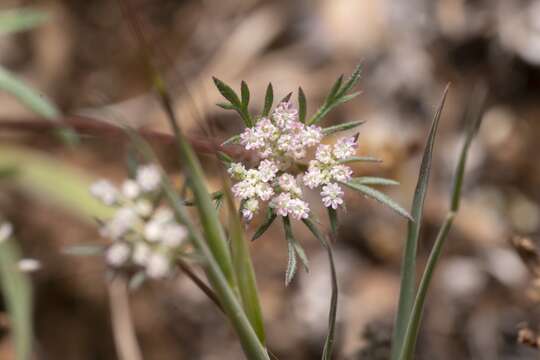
(408, 264)
(380, 197)
(243, 267)
(411, 334)
(370, 180)
(20, 19)
(341, 127)
(17, 292)
(332, 312)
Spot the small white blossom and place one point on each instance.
(313, 177)
(267, 170)
(266, 129)
(153, 230)
(130, 189)
(341, 173)
(264, 191)
(312, 136)
(6, 230)
(158, 266)
(324, 154)
(237, 171)
(143, 207)
(345, 147)
(251, 139)
(173, 235)
(250, 208)
(121, 223)
(149, 177)
(118, 254)
(29, 265)
(141, 253)
(332, 195)
(104, 191)
(281, 204)
(163, 214)
(298, 209)
(243, 189)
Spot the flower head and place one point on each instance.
(332, 195)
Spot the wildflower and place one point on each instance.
(158, 266)
(104, 191)
(341, 173)
(6, 230)
(345, 147)
(173, 235)
(267, 170)
(118, 254)
(130, 189)
(281, 204)
(149, 177)
(332, 195)
(141, 253)
(298, 209)
(250, 208)
(29, 265)
(237, 171)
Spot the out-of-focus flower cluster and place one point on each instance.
(282, 141)
(144, 233)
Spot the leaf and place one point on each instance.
(408, 265)
(226, 106)
(227, 92)
(243, 267)
(232, 140)
(84, 250)
(20, 19)
(332, 216)
(380, 197)
(341, 127)
(369, 180)
(270, 217)
(291, 264)
(224, 157)
(332, 313)
(413, 325)
(17, 292)
(360, 159)
(287, 98)
(268, 100)
(244, 90)
(302, 107)
(335, 89)
(353, 80)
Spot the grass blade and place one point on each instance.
(411, 333)
(408, 264)
(17, 291)
(243, 268)
(332, 313)
(380, 197)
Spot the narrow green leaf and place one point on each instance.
(20, 19)
(224, 157)
(244, 91)
(226, 106)
(291, 264)
(84, 250)
(333, 218)
(413, 326)
(232, 140)
(360, 159)
(341, 127)
(243, 268)
(335, 89)
(408, 264)
(268, 100)
(227, 92)
(380, 197)
(369, 180)
(270, 217)
(17, 292)
(302, 106)
(345, 98)
(332, 313)
(353, 80)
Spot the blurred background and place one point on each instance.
(86, 60)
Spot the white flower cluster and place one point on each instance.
(280, 140)
(144, 234)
